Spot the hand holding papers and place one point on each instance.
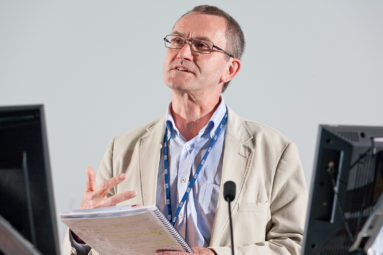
(125, 230)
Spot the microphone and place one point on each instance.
(229, 191)
(229, 195)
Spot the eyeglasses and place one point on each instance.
(196, 45)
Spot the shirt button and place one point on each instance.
(183, 179)
(181, 216)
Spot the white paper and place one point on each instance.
(122, 230)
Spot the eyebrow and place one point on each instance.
(186, 35)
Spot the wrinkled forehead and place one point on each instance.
(201, 26)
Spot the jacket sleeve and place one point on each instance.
(288, 204)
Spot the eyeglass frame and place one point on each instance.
(190, 41)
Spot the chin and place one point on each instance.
(178, 87)
(178, 84)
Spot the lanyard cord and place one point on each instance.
(195, 176)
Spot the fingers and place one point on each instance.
(203, 251)
(97, 197)
(118, 198)
(107, 185)
(90, 179)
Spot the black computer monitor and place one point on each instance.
(347, 183)
(26, 194)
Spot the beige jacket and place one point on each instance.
(270, 206)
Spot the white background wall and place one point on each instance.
(97, 67)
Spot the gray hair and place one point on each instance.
(235, 38)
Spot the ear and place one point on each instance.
(232, 69)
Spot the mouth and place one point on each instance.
(182, 69)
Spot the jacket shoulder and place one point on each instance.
(265, 132)
(259, 133)
(131, 137)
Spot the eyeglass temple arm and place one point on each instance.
(227, 53)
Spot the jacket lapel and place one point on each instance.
(237, 155)
(150, 152)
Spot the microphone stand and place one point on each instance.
(229, 195)
(231, 228)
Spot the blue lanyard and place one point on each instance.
(195, 176)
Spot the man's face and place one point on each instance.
(199, 72)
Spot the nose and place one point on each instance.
(185, 52)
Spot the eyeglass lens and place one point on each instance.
(178, 42)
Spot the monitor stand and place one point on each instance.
(371, 228)
(11, 242)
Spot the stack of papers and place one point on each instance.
(125, 230)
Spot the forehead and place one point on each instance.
(197, 25)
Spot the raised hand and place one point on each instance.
(95, 197)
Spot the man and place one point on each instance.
(201, 136)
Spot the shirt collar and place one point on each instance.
(209, 128)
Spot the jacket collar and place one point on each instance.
(149, 160)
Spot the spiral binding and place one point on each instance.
(172, 230)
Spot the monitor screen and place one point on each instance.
(346, 185)
(26, 194)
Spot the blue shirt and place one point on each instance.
(195, 220)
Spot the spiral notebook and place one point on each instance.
(125, 230)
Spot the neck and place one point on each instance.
(190, 114)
